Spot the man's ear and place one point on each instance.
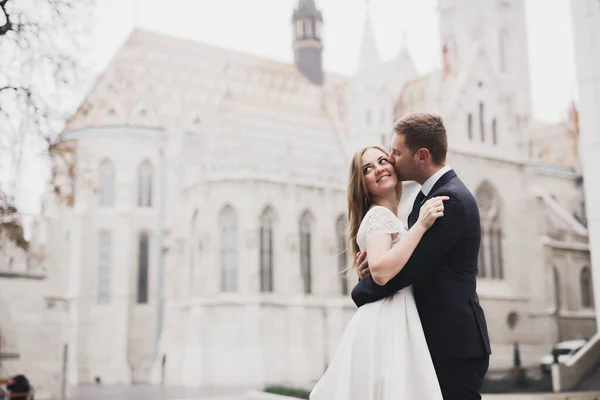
(422, 155)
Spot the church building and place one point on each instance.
(207, 233)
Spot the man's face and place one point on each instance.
(402, 158)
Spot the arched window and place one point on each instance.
(341, 230)
(491, 263)
(229, 249)
(143, 268)
(494, 132)
(299, 28)
(482, 121)
(587, 293)
(306, 222)
(104, 264)
(106, 184)
(470, 125)
(308, 28)
(267, 220)
(556, 286)
(144, 184)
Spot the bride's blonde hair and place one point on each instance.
(359, 201)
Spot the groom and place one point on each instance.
(443, 268)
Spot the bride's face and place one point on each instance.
(378, 173)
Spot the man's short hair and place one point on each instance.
(422, 130)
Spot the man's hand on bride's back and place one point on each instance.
(362, 264)
(431, 210)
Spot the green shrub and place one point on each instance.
(286, 391)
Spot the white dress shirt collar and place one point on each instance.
(429, 183)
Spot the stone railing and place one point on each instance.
(565, 377)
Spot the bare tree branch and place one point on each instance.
(39, 43)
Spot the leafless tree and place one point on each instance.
(40, 41)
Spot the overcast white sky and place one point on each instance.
(263, 27)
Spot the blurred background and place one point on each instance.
(173, 184)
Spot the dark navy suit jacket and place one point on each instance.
(442, 271)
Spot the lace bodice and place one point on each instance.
(379, 220)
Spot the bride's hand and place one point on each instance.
(431, 210)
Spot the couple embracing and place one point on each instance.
(419, 332)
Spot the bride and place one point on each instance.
(382, 354)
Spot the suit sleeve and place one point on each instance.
(435, 245)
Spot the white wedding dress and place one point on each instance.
(382, 354)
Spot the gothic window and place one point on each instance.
(104, 252)
(481, 122)
(308, 28)
(494, 132)
(144, 184)
(106, 189)
(481, 259)
(585, 282)
(229, 249)
(341, 230)
(503, 50)
(470, 126)
(299, 28)
(491, 263)
(266, 250)
(306, 222)
(143, 268)
(556, 287)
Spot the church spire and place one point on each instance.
(368, 55)
(308, 41)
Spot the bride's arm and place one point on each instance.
(386, 261)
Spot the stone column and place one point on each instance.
(586, 23)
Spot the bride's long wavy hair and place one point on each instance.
(359, 201)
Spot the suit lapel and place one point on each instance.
(414, 214)
(441, 182)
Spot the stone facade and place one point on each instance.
(206, 239)
(31, 323)
(586, 24)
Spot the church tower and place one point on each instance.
(498, 29)
(308, 41)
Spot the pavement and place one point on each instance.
(147, 392)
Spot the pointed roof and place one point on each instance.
(152, 66)
(306, 8)
(368, 54)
